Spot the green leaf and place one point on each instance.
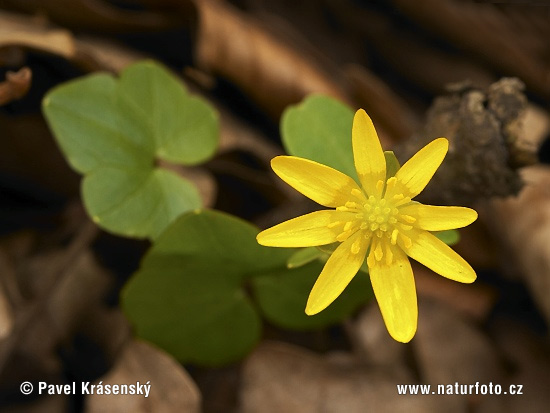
(392, 164)
(449, 237)
(282, 297)
(115, 132)
(189, 296)
(319, 128)
(303, 256)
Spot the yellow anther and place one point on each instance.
(394, 234)
(373, 226)
(407, 242)
(334, 224)
(371, 262)
(398, 197)
(387, 210)
(406, 227)
(384, 227)
(380, 219)
(372, 218)
(392, 220)
(363, 225)
(403, 201)
(347, 225)
(408, 218)
(378, 253)
(341, 208)
(356, 246)
(391, 182)
(356, 192)
(372, 199)
(380, 185)
(342, 236)
(389, 255)
(352, 205)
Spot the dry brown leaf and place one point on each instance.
(108, 328)
(473, 300)
(65, 285)
(15, 86)
(51, 403)
(280, 377)
(481, 29)
(19, 31)
(372, 341)
(522, 227)
(382, 104)
(6, 312)
(94, 53)
(95, 15)
(529, 355)
(272, 73)
(172, 389)
(85, 285)
(450, 350)
(407, 52)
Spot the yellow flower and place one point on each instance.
(377, 221)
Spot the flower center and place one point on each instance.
(378, 215)
(379, 221)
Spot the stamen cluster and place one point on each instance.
(379, 220)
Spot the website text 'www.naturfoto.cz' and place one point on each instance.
(457, 388)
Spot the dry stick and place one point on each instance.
(82, 240)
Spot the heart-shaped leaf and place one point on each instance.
(117, 133)
(189, 296)
(319, 128)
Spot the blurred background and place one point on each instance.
(477, 72)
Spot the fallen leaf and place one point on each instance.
(16, 30)
(280, 377)
(272, 73)
(450, 349)
(521, 225)
(172, 389)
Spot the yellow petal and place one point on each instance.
(321, 183)
(415, 174)
(395, 292)
(429, 250)
(339, 270)
(439, 218)
(370, 162)
(308, 230)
